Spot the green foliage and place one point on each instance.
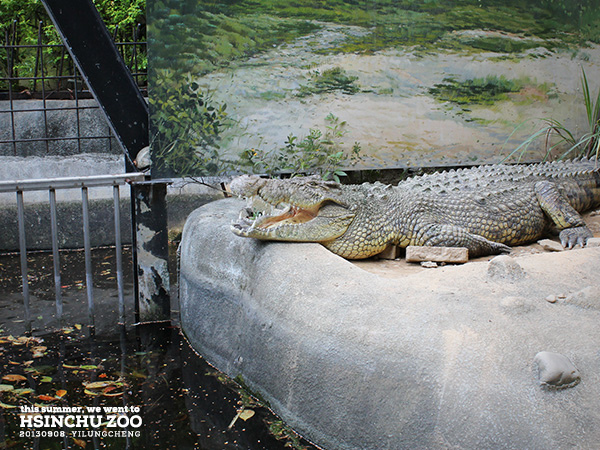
(557, 136)
(330, 80)
(317, 153)
(26, 16)
(476, 91)
(185, 128)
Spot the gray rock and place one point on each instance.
(505, 268)
(593, 242)
(354, 360)
(556, 371)
(550, 245)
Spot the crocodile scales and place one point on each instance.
(485, 209)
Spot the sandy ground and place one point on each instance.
(399, 267)
(394, 119)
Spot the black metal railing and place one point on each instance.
(61, 96)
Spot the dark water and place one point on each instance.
(183, 402)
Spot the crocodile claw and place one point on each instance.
(570, 237)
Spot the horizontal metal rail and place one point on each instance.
(45, 184)
(51, 185)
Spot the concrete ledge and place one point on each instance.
(436, 359)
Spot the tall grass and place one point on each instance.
(586, 145)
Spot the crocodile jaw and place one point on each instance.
(285, 222)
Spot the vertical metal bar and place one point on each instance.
(43, 77)
(88, 255)
(119, 253)
(10, 65)
(55, 254)
(23, 254)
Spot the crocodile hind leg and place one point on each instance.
(563, 215)
(445, 235)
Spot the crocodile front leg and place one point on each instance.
(445, 235)
(563, 215)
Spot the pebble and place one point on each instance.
(429, 264)
(551, 299)
(556, 371)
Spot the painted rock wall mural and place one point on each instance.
(279, 85)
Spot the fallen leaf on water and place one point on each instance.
(92, 393)
(101, 384)
(45, 398)
(46, 379)
(14, 377)
(5, 406)
(88, 367)
(112, 394)
(22, 391)
(246, 414)
(137, 374)
(61, 393)
(6, 387)
(79, 442)
(39, 351)
(78, 326)
(102, 375)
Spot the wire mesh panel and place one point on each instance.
(45, 106)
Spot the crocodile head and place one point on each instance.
(304, 209)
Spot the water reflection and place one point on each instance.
(183, 402)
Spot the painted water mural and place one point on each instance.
(267, 86)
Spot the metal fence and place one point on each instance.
(54, 88)
(52, 185)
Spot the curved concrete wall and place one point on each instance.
(438, 359)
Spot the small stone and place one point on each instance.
(505, 268)
(390, 252)
(593, 242)
(550, 245)
(551, 299)
(437, 254)
(556, 371)
(429, 264)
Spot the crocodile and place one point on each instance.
(486, 209)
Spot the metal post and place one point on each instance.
(55, 254)
(88, 255)
(23, 252)
(119, 256)
(152, 251)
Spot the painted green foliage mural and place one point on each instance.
(271, 86)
